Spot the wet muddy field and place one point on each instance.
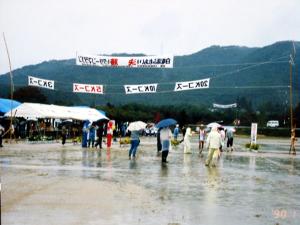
(47, 183)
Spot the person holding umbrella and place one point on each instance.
(134, 141)
(158, 140)
(135, 128)
(165, 138)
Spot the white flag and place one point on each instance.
(88, 88)
(140, 88)
(234, 105)
(191, 85)
(38, 82)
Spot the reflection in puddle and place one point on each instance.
(132, 164)
(241, 187)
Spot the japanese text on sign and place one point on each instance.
(190, 85)
(34, 81)
(141, 88)
(118, 61)
(88, 88)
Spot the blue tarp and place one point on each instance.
(5, 105)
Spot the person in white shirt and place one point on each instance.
(187, 141)
(213, 143)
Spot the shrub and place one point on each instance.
(252, 146)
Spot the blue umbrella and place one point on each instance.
(166, 123)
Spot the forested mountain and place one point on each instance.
(259, 75)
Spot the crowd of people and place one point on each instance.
(93, 133)
(213, 140)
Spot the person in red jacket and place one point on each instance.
(109, 134)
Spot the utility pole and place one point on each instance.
(293, 128)
(291, 62)
(11, 90)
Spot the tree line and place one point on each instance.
(186, 113)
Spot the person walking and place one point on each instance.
(63, 134)
(135, 141)
(12, 132)
(109, 134)
(165, 138)
(223, 137)
(229, 135)
(187, 141)
(91, 136)
(213, 144)
(176, 132)
(293, 142)
(183, 133)
(1, 133)
(202, 135)
(158, 140)
(99, 135)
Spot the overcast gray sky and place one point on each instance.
(39, 30)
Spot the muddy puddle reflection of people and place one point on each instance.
(91, 158)
(187, 164)
(88, 158)
(211, 194)
(99, 159)
(63, 158)
(132, 164)
(164, 190)
(164, 170)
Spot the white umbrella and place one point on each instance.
(214, 124)
(137, 125)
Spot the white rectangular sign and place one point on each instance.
(126, 61)
(140, 88)
(43, 83)
(234, 105)
(191, 85)
(253, 133)
(88, 88)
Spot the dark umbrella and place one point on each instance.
(166, 123)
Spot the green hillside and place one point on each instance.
(235, 72)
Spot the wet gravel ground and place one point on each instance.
(47, 183)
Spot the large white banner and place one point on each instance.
(140, 88)
(234, 105)
(88, 88)
(191, 85)
(131, 61)
(38, 82)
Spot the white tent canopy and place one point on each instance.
(37, 110)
